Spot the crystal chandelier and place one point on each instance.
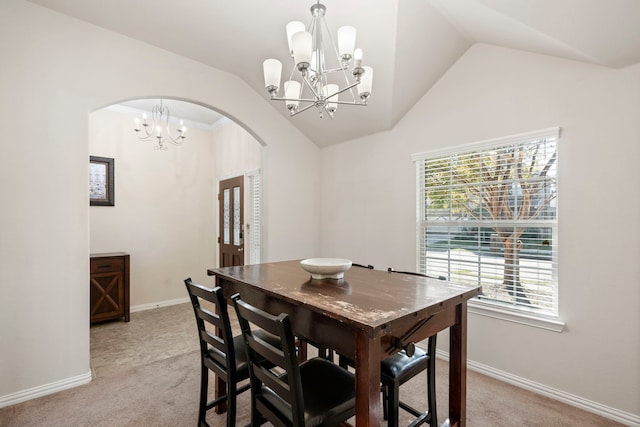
(159, 128)
(317, 75)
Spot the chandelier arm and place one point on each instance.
(302, 109)
(343, 90)
(179, 139)
(335, 70)
(175, 141)
(147, 135)
(308, 84)
(362, 104)
(346, 79)
(294, 99)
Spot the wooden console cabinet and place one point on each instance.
(109, 286)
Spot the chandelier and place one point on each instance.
(317, 74)
(159, 129)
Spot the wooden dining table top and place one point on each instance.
(365, 298)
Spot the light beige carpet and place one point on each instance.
(157, 385)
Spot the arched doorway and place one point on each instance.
(165, 213)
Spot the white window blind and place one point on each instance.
(255, 223)
(487, 215)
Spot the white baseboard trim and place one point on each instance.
(626, 418)
(152, 305)
(43, 390)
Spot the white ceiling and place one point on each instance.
(409, 43)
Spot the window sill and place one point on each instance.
(495, 311)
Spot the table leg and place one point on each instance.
(458, 368)
(220, 390)
(302, 350)
(367, 381)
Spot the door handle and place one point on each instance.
(240, 249)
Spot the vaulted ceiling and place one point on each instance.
(409, 43)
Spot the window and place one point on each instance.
(487, 215)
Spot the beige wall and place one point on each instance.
(493, 92)
(59, 71)
(236, 151)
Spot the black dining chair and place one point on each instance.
(220, 352)
(399, 368)
(287, 392)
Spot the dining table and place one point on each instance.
(366, 315)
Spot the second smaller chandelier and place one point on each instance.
(320, 78)
(159, 128)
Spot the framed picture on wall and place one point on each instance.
(101, 181)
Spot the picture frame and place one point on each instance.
(101, 178)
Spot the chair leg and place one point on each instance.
(231, 405)
(393, 404)
(431, 382)
(385, 404)
(431, 394)
(204, 385)
(256, 417)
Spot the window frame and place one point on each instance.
(479, 305)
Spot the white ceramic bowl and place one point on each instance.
(326, 268)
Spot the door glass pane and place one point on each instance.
(236, 216)
(226, 216)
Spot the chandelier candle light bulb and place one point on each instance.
(292, 93)
(292, 28)
(272, 71)
(357, 58)
(346, 42)
(302, 49)
(316, 72)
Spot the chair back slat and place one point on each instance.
(267, 350)
(209, 317)
(214, 341)
(274, 381)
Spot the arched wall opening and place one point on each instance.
(165, 213)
